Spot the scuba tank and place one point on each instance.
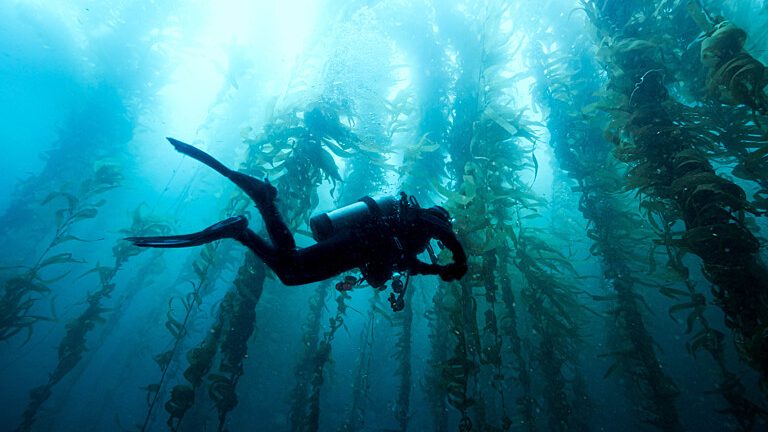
(353, 216)
(369, 211)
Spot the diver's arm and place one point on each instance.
(418, 267)
(445, 234)
(450, 272)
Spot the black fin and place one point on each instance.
(261, 192)
(228, 228)
(199, 155)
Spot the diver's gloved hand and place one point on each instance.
(453, 272)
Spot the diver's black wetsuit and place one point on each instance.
(378, 248)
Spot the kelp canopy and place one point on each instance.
(605, 163)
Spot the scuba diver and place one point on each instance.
(379, 236)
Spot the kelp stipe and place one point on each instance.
(678, 175)
(306, 368)
(239, 326)
(235, 314)
(520, 362)
(206, 267)
(422, 164)
(484, 134)
(276, 142)
(657, 389)
(680, 183)
(324, 128)
(71, 348)
(21, 289)
(361, 383)
(456, 367)
(734, 76)
(309, 163)
(425, 122)
(200, 361)
(703, 336)
(295, 147)
(305, 397)
(403, 322)
(435, 385)
(556, 318)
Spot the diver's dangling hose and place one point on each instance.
(397, 303)
(360, 213)
(396, 298)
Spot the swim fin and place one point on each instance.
(261, 192)
(197, 154)
(228, 228)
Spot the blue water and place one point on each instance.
(90, 89)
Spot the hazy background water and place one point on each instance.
(84, 84)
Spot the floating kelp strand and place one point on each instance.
(321, 358)
(21, 290)
(200, 360)
(249, 286)
(554, 313)
(713, 210)
(206, 267)
(704, 337)
(485, 128)
(526, 404)
(73, 345)
(586, 160)
(421, 109)
(361, 383)
(458, 368)
(304, 369)
(434, 386)
(402, 354)
(493, 346)
(734, 76)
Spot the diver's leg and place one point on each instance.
(276, 227)
(260, 247)
(281, 262)
(320, 261)
(235, 228)
(259, 191)
(262, 193)
(229, 228)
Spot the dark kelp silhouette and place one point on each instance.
(73, 345)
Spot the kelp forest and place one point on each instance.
(604, 164)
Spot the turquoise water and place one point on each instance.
(592, 154)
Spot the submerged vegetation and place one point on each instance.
(605, 163)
